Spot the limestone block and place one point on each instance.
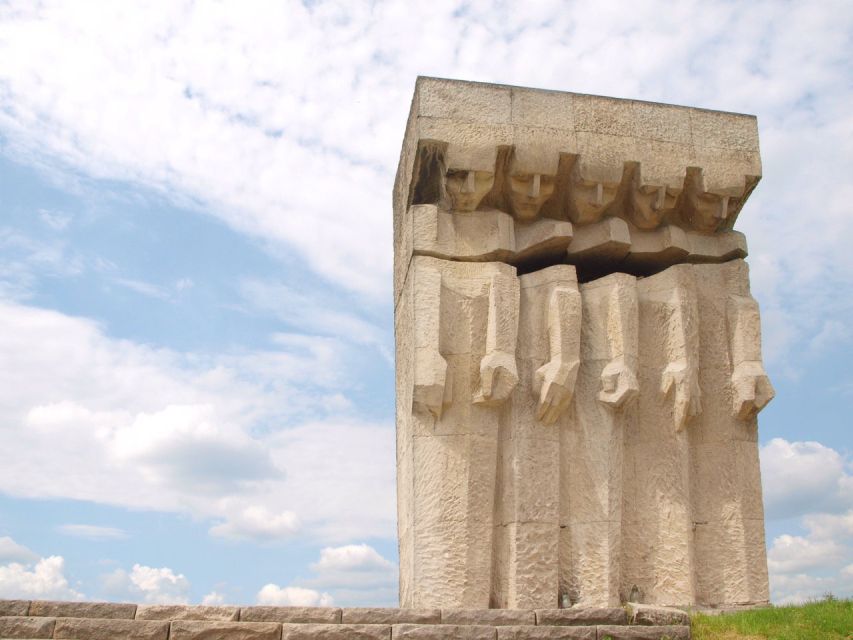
(82, 609)
(489, 617)
(581, 616)
(305, 615)
(336, 632)
(664, 122)
(720, 247)
(721, 130)
(212, 630)
(671, 632)
(183, 612)
(470, 145)
(470, 101)
(14, 607)
(538, 149)
(442, 632)
(111, 628)
(377, 615)
(543, 108)
(26, 627)
(657, 249)
(599, 114)
(657, 616)
(547, 633)
(606, 241)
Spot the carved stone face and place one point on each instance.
(528, 192)
(467, 188)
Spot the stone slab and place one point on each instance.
(304, 615)
(582, 616)
(112, 610)
(110, 629)
(14, 607)
(647, 614)
(208, 630)
(491, 617)
(442, 632)
(183, 612)
(547, 633)
(336, 632)
(389, 615)
(26, 627)
(666, 632)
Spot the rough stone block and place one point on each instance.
(644, 633)
(582, 616)
(57, 609)
(493, 617)
(14, 607)
(336, 632)
(319, 615)
(181, 612)
(646, 614)
(26, 627)
(472, 101)
(546, 633)
(442, 632)
(209, 630)
(543, 108)
(110, 629)
(389, 615)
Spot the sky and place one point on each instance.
(196, 345)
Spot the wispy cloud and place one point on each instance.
(92, 532)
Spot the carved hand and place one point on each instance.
(498, 377)
(685, 380)
(430, 378)
(751, 389)
(618, 384)
(554, 383)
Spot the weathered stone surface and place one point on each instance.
(320, 615)
(490, 617)
(581, 616)
(110, 629)
(442, 632)
(644, 633)
(211, 630)
(182, 612)
(336, 632)
(388, 615)
(14, 607)
(651, 615)
(26, 627)
(547, 633)
(82, 609)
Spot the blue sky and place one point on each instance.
(195, 301)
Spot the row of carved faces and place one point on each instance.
(568, 195)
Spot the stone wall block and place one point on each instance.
(26, 627)
(442, 632)
(111, 629)
(493, 617)
(182, 612)
(336, 632)
(651, 615)
(644, 633)
(209, 630)
(389, 615)
(582, 616)
(547, 633)
(472, 101)
(320, 615)
(56, 609)
(14, 607)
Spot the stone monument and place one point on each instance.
(578, 353)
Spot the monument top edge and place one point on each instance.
(424, 79)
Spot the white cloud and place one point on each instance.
(44, 579)
(11, 551)
(804, 477)
(350, 557)
(356, 575)
(272, 594)
(92, 532)
(796, 554)
(213, 599)
(257, 523)
(147, 584)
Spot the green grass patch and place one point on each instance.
(827, 619)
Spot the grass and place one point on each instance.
(827, 619)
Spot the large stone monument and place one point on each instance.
(578, 353)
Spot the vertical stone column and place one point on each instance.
(726, 481)
(657, 526)
(467, 315)
(592, 444)
(527, 524)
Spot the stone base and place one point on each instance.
(31, 620)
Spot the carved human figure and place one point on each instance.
(464, 369)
